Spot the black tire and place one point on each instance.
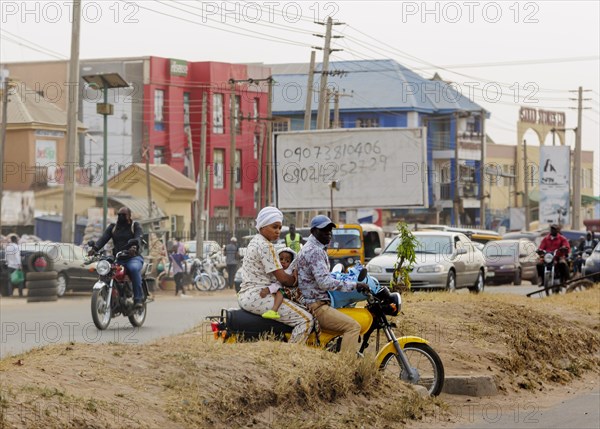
(451, 281)
(138, 317)
(39, 262)
(100, 315)
(42, 298)
(517, 281)
(479, 285)
(45, 275)
(42, 292)
(422, 357)
(41, 284)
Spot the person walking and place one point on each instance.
(13, 261)
(231, 259)
(178, 269)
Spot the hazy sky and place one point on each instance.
(528, 53)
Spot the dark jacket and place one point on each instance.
(120, 237)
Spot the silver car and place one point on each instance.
(445, 260)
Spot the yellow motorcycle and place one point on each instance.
(410, 357)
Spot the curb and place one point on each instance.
(479, 385)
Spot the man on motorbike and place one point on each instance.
(586, 245)
(126, 235)
(555, 242)
(314, 280)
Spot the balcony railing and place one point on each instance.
(465, 190)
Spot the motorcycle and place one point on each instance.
(553, 283)
(112, 294)
(411, 358)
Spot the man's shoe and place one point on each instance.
(138, 305)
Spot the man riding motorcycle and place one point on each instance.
(555, 242)
(586, 245)
(126, 235)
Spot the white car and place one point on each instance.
(445, 260)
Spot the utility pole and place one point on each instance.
(482, 174)
(309, 88)
(232, 132)
(526, 185)
(324, 72)
(146, 154)
(4, 87)
(575, 221)
(270, 166)
(260, 155)
(336, 106)
(456, 173)
(68, 212)
(201, 181)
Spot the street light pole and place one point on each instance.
(105, 164)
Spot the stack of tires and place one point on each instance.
(40, 279)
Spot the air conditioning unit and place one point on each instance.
(173, 224)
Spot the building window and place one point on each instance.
(255, 109)
(236, 112)
(256, 144)
(218, 114)
(159, 155)
(367, 123)
(186, 108)
(238, 169)
(219, 169)
(159, 105)
(281, 126)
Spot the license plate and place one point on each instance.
(491, 274)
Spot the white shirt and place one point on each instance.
(260, 262)
(13, 255)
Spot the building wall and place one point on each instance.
(51, 201)
(48, 77)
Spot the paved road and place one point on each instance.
(28, 325)
(580, 412)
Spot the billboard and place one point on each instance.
(555, 173)
(374, 168)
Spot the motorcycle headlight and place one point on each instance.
(374, 269)
(350, 261)
(103, 268)
(548, 258)
(507, 267)
(430, 269)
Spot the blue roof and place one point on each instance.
(375, 85)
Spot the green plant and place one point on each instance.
(406, 258)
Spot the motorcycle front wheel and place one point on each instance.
(425, 360)
(138, 317)
(203, 283)
(101, 313)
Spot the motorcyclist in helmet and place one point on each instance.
(126, 235)
(551, 243)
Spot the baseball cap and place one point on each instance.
(321, 221)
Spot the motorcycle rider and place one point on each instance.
(126, 235)
(586, 245)
(551, 243)
(314, 280)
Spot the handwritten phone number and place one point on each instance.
(335, 153)
(295, 173)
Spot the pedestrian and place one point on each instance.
(231, 260)
(13, 261)
(178, 269)
(294, 240)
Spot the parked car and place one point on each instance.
(510, 261)
(67, 260)
(445, 260)
(592, 264)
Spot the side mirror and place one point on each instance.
(91, 243)
(377, 251)
(461, 251)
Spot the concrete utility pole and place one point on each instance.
(526, 185)
(68, 214)
(309, 88)
(232, 165)
(325, 72)
(575, 221)
(336, 107)
(270, 166)
(146, 155)
(5, 84)
(482, 204)
(201, 183)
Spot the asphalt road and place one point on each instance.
(24, 326)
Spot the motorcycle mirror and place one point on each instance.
(91, 243)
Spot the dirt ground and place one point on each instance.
(537, 350)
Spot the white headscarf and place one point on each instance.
(267, 216)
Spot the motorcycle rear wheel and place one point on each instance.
(101, 313)
(427, 362)
(138, 317)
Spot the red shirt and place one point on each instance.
(550, 244)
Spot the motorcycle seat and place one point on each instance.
(252, 326)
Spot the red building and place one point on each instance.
(172, 116)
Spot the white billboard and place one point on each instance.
(375, 167)
(555, 173)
